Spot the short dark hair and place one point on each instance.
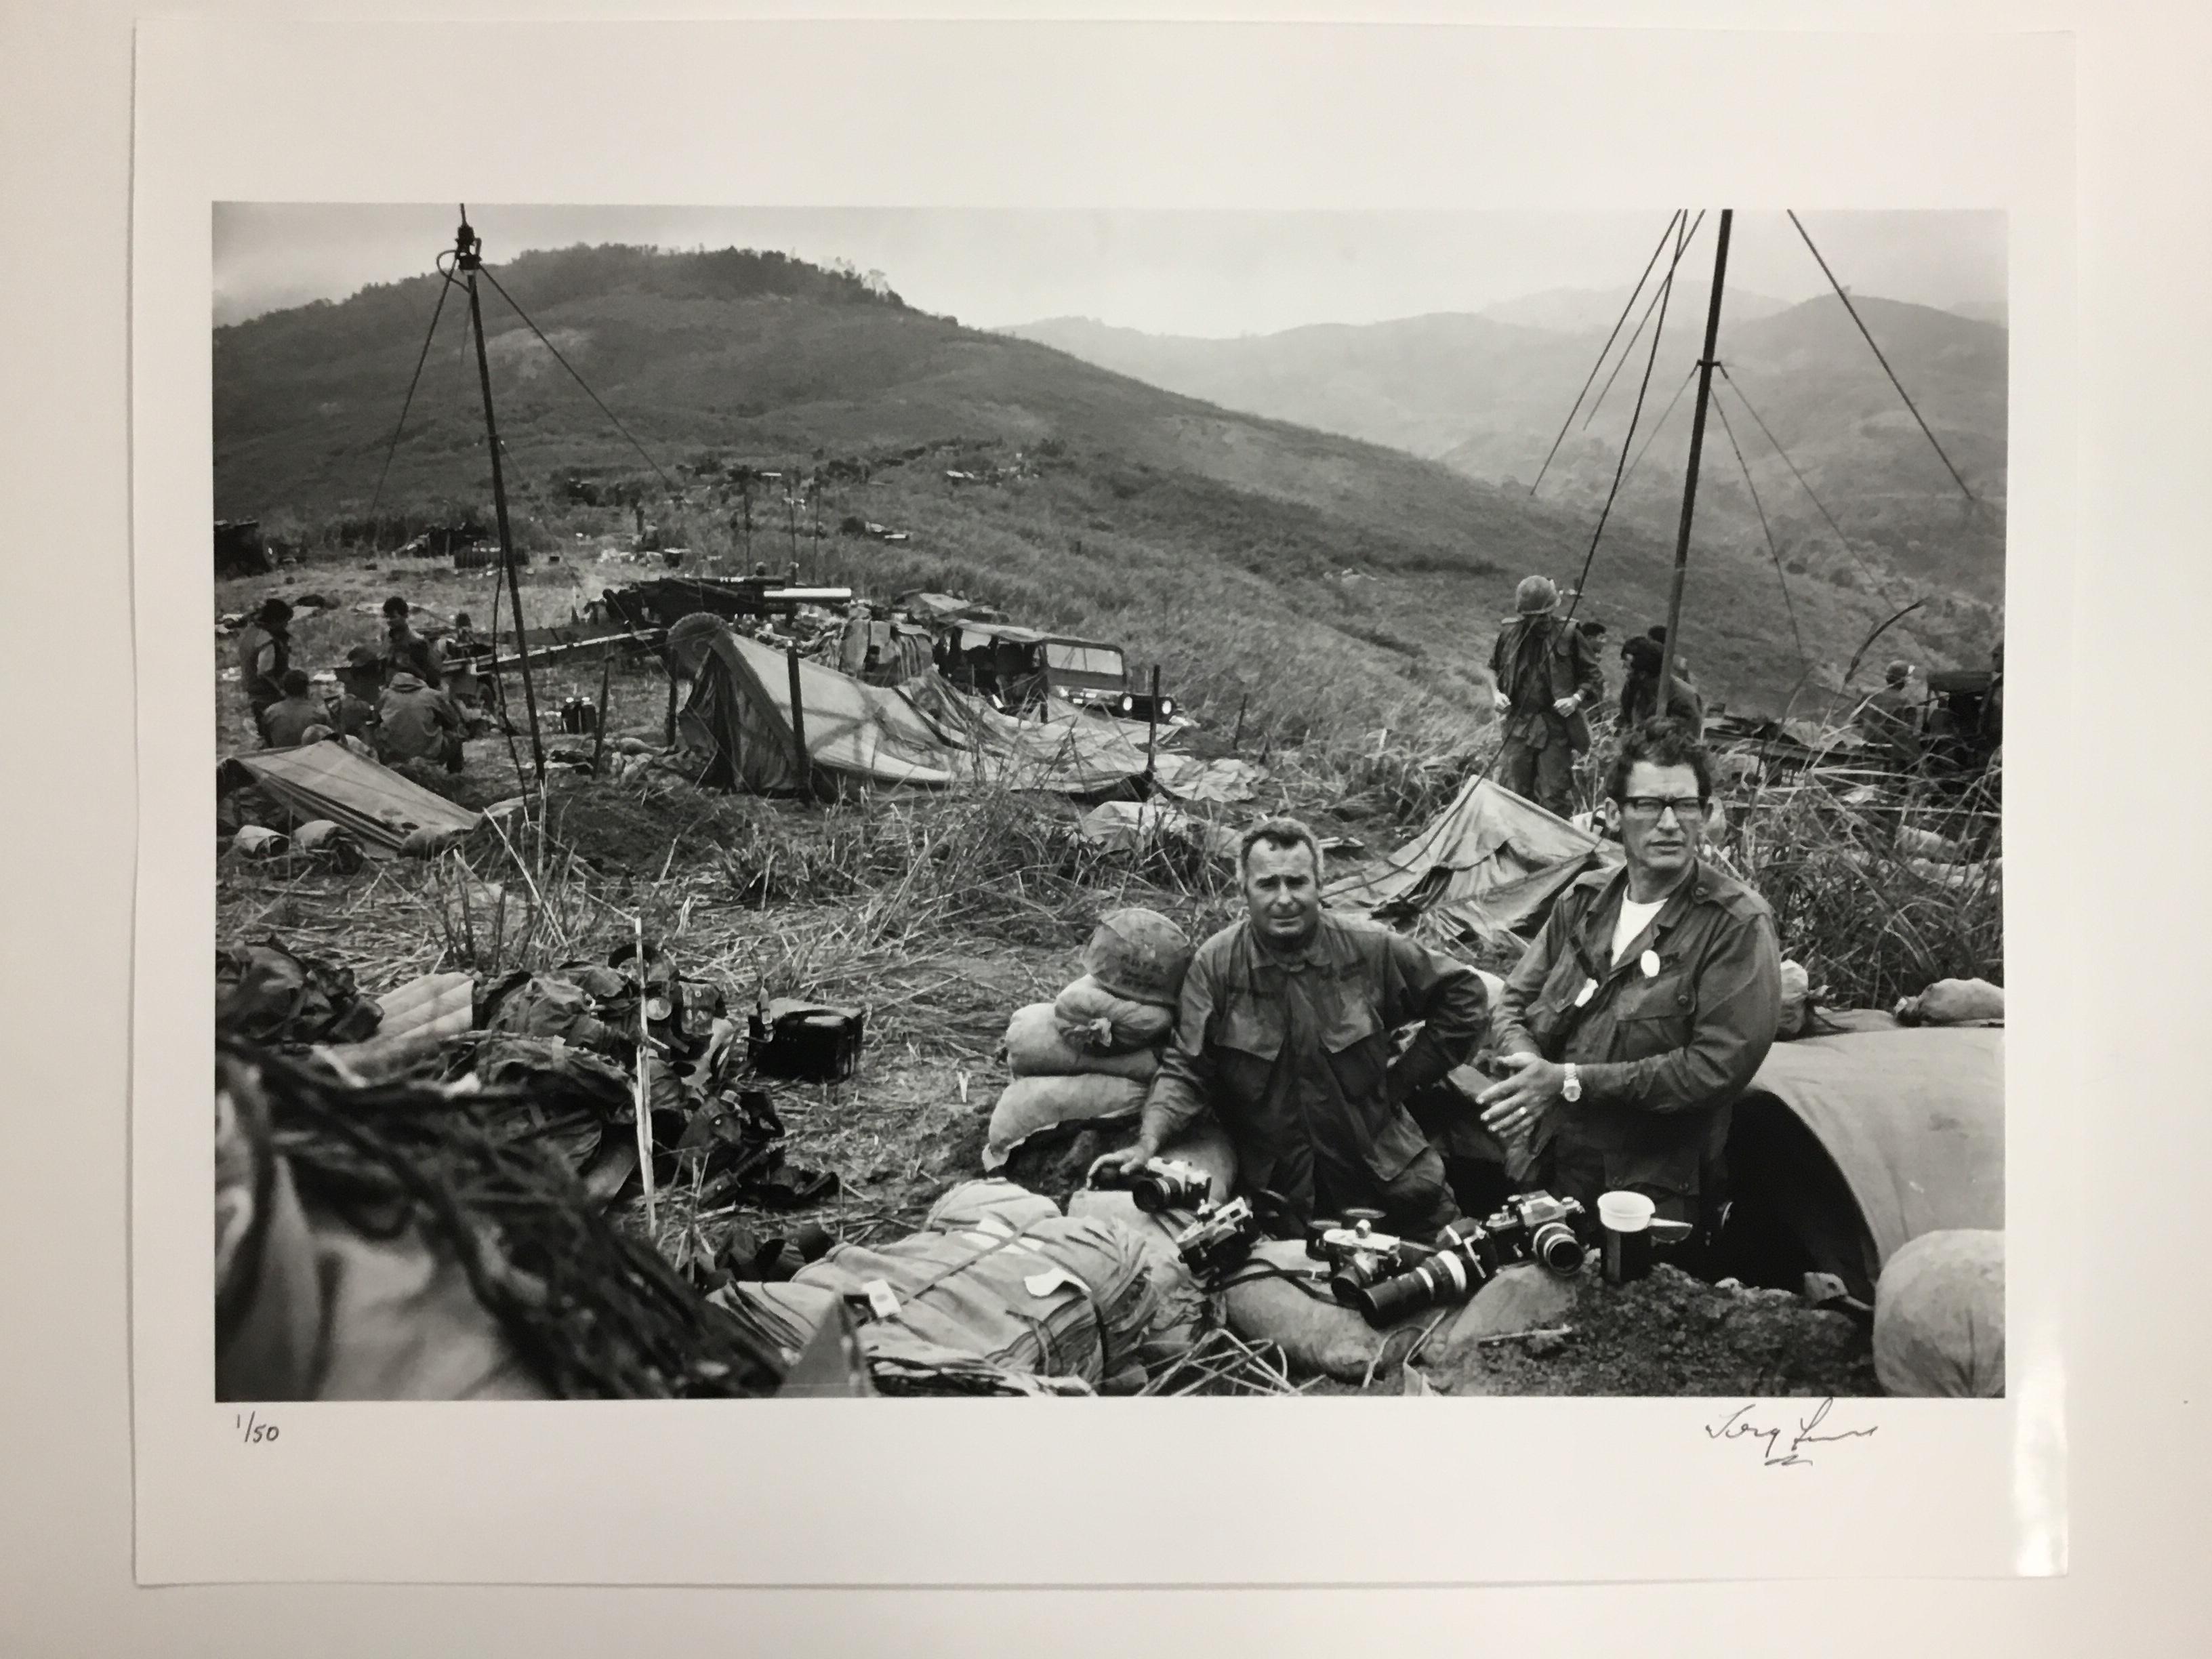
(1656, 631)
(396, 606)
(294, 682)
(1278, 832)
(1659, 743)
(274, 611)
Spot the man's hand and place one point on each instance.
(1510, 1108)
(1500, 701)
(1120, 1166)
(1567, 705)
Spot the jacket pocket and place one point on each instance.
(1660, 1173)
(1252, 1027)
(1357, 1051)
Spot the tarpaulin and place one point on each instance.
(330, 780)
(1488, 865)
(740, 711)
(1912, 1121)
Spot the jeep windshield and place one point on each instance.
(1077, 667)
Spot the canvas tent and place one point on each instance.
(1487, 867)
(1855, 1143)
(924, 735)
(330, 780)
(740, 711)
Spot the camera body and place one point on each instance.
(1356, 1255)
(1537, 1227)
(1219, 1239)
(1528, 1227)
(1170, 1183)
(1164, 1183)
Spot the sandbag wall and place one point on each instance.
(1089, 1056)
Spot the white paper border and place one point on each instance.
(1318, 1492)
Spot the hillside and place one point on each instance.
(1211, 541)
(1579, 310)
(1486, 393)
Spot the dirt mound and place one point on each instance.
(1673, 1334)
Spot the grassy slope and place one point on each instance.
(1208, 540)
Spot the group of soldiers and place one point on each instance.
(415, 699)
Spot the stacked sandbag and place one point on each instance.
(1939, 1316)
(1088, 1056)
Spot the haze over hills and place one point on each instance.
(1579, 310)
(1485, 395)
(1214, 542)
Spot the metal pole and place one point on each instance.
(466, 245)
(1690, 486)
(800, 756)
(1152, 722)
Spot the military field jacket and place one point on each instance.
(1562, 663)
(1662, 1053)
(1294, 1055)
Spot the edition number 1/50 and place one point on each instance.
(253, 1432)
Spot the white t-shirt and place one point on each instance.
(1634, 919)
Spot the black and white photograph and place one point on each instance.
(855, 802)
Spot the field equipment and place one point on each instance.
(808, 1041)
(1164, 1183)
(1528, 1227)
(1358, 1256)
(1220, 1239)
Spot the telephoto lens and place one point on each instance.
(1444, 1279)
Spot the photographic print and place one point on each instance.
(920, 802)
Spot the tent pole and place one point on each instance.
(1690, 485)
(800, 756)
(466, 247)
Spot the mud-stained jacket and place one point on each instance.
(1537, 660)
(1294, 1055)
(1661, 1054)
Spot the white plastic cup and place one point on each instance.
(1625, 1219)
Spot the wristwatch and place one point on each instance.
(1572, 1088)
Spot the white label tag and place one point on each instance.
(878, 1292)
(1650, 963)
(1588, 990)
(1052, 1279)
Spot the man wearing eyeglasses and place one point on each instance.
(1645, 1006)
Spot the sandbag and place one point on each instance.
(965, 1205)
(1954, 1002)
(1035, 1047)
(1313, 1332)
(1033, 1104)
(1092, 1019)
(1939, 1316)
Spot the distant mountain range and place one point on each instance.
(1486, 394)
(1331, 580)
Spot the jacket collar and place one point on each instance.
(1594, 938)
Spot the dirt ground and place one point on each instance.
(1672, 1334)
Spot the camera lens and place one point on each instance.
(1556, 1246)
(1440, 1278)
(1150, 1192)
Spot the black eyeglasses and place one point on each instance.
(1650, 809)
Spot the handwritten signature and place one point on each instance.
(1774, 1452)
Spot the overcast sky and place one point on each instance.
(1203, 273)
